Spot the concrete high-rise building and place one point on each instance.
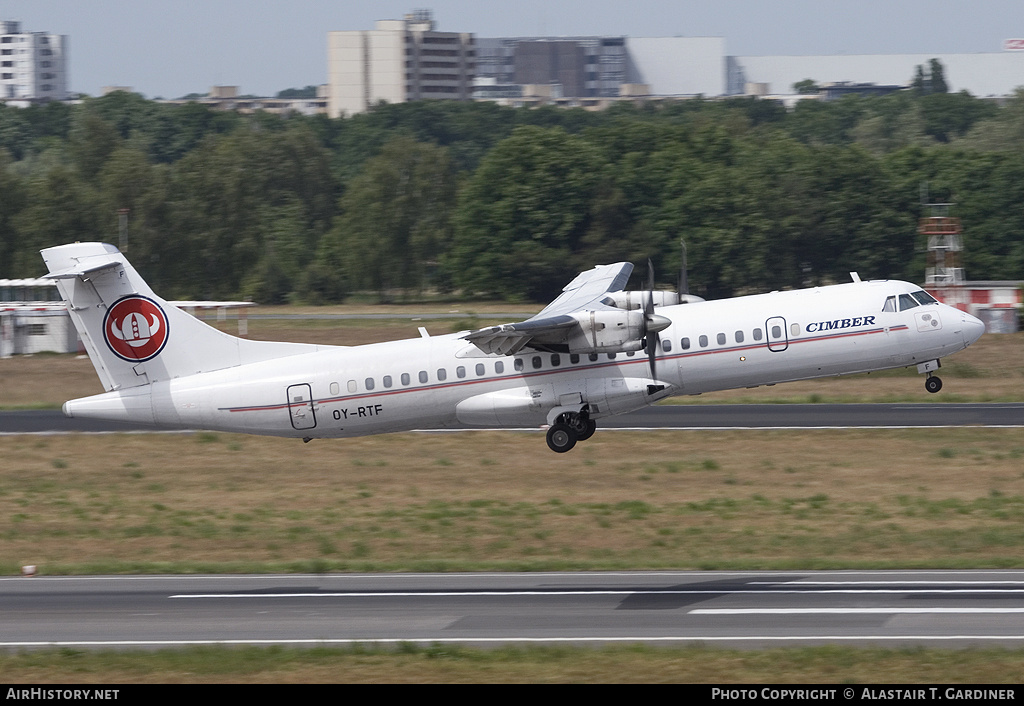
(400, 60)
(33, 65)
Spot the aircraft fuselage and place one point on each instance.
(445, 381)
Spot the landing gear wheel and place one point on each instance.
(561, 438)
(933, 384)
(587, 431)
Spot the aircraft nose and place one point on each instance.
(973, 327)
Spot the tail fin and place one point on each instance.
(134, 337)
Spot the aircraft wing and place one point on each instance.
(552, 326)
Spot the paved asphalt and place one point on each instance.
(671, 417)
(735, 609)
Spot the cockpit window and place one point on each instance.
(924, 297)
(907, 302)
(890, 304)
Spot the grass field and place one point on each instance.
(411, 664)
(500, 500)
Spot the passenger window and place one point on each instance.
(758, 334)
(592, 357)
(519, 364)
(499, 367)
(335, 388)
(442, 374)
(460, 372)
(630, 354)
(536, 362)
(387, 381)
(685, 343)
(556, 360)
(721, 339)
(703, 341)
(574, 358)
(739, 337)
(907, 302)
(666, 345)
(352, 387)
(611, 356)
(890, 304)
(776, 332)
(369, 383)
(406, 379)
(423, 376)
(794, 329)
(480, 370)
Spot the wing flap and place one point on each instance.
(509, 339)
(554, 324)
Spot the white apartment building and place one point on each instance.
(400, 60)
(33, 65)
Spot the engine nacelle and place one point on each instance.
(638, 300)
(607, 332)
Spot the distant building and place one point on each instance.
(835, 91)
(33, 65)
(579, 67)
(400, 60)
(228, 98)
(983, 75)
(997, 303)
(584, 68)
(33, 319)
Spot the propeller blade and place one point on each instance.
(650, 330)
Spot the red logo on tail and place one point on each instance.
(135, 329)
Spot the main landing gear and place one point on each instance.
(570, 428)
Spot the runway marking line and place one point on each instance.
(597, 592)
(849, 611)
(513, 640)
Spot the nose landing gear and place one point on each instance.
(932, 383)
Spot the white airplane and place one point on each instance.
(580, 359)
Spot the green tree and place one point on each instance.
(806, 87)
(1002, 131)
(15, 131)
(60, 207)
(523, 214)
(91, 141)
(238, 201)
(11, 202)
(307, 92)
(938, 77)
(395, 219)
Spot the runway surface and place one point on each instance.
(738, 416)
(731, 609)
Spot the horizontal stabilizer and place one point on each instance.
(83, 270)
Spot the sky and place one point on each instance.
(169, 48)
